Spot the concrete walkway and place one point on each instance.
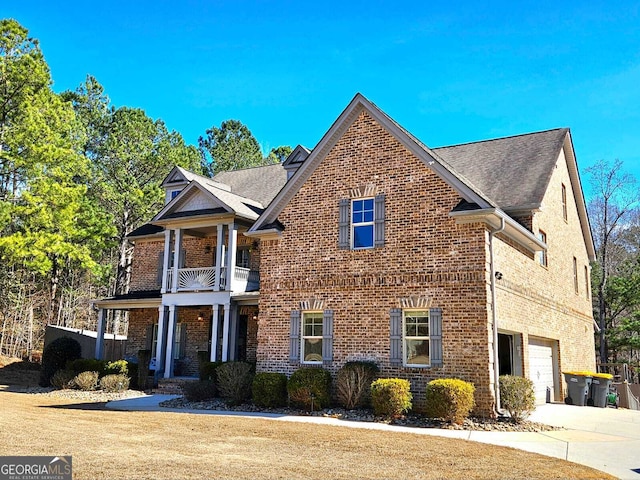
(603, 438)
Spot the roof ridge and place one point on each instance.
(502, 138)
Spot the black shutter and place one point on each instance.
(294, 337)
(379, 221)
(182, 348)
(395, 357)
(327, 337)
(148, 341)
(344, 224)
(435, 336)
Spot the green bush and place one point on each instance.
(391, 397)
(62, 379)
(450, 399)
(117, 367)
(55, 357)
(353, 383)
(270, 389)
(310, 388)
(208, 370)
(86, 365)
(517, 396)
(234, 381)
(114, 383)
(85, 381)
(199, 391)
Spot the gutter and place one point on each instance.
(494, 318)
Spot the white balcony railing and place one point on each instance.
(197, 279)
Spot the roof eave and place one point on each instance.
(266, 234)
(493, 217)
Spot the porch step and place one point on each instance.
(172, 386)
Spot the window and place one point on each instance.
(564, 202)
(543, 254)
(587, 282)
(243, 257)
(575, 274)
(312, 337)
(179, 341)
(174, 193)
(416, 338)
(362, 223)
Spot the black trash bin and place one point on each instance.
(600, 384)
(577, 388)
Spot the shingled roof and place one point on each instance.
(257, 183)
(514, 172)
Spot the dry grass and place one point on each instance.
(158, 445)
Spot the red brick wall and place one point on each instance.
(426, 255)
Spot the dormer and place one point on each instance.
(175, 182)
(295, 159)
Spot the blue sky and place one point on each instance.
(449, 72)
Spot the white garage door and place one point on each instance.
(541, 368)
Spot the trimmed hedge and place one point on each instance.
(86, 381)
(114, 383)
(517, 396)
(55, 357)
(450, 399)
(199, 391)
(310, 388)
(391, 397)
(87, 365)
(353, 383)
(270, 389)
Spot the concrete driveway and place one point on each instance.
(603, 438)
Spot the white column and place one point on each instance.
(171, 330)
(165, 260)
(214, 332)
(176, 259)
(233, 329)
(160, 338)
(225, 333)
(102, 324)
(231, 254)
(219, 256)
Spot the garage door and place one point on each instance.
(541, 368)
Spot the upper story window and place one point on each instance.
(243, 257)
(543, 254)
(587, 282)
(361, 223)
(575, 274)
(174, 193)
(564, 202)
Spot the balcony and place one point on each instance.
(204, 279)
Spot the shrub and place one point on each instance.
(86, 381)
(56, 355)
(62, 379)
(117, 367)
(310, 388)
(144, 357)
(234, 381)
(208, 370)
(353, 383)
(450, 399)
(391, 397)
(114, 383)
(86, 365)
(517, 396)
(199, 391)
(270, 389)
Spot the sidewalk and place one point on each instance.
(602, 438)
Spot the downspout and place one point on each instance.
(494, 318)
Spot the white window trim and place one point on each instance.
(543, 259)
(303, 336)
(353, 224)
(406, 313)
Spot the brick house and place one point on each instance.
(467, 261)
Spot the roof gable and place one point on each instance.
(337, 130)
